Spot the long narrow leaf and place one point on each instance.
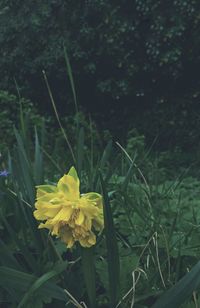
(71, 79)
(25, 168)
(112, 248)
(40, 282)
(19, 282)
(89, 274)
(102, 163)
(179, 293)
(80, 150)
(38, 165)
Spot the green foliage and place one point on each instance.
(135, 144)
(28, 259)
(137, 60)
(17, 283)
(151, 235)
(151, 226)
(181, 291)
(10, 116)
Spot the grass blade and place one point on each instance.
(16, 282)
(38, 164)
(57, 117)
(40, 282)
(112, 248)
(89, 274)
(179, 293)
(80, 150)
(71, 79)
(25, 169)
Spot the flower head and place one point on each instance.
(68, 214)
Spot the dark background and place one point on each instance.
(135, 63)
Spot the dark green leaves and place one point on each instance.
(182, 291)
(20, 284)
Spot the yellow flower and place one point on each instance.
(68, 214)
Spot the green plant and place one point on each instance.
(151, 235)
(11, 107)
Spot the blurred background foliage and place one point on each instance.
(135, 63)
(135, 66)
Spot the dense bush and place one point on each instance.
(137, 59)
(10, 107)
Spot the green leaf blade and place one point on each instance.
(112, 248)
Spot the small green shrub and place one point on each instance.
(10, 116)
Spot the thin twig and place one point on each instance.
(57, 116)
(143, 178)
(132, 289)
(12, 192)
(138, 169)
(74, 301)
(50, 158)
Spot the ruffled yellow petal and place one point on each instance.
(87, 223)
(94, 198)
(70, 242)
(98, 223)
(47, 205)
(90, 210)
(88, 241)
(63, 215)
(66, 236)
(92, 239)
(45, 189)
(69, 185)
(72, 172)
(45, 225)
(45, 210)
(40, 214)
(80, 219)
(55, 229)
